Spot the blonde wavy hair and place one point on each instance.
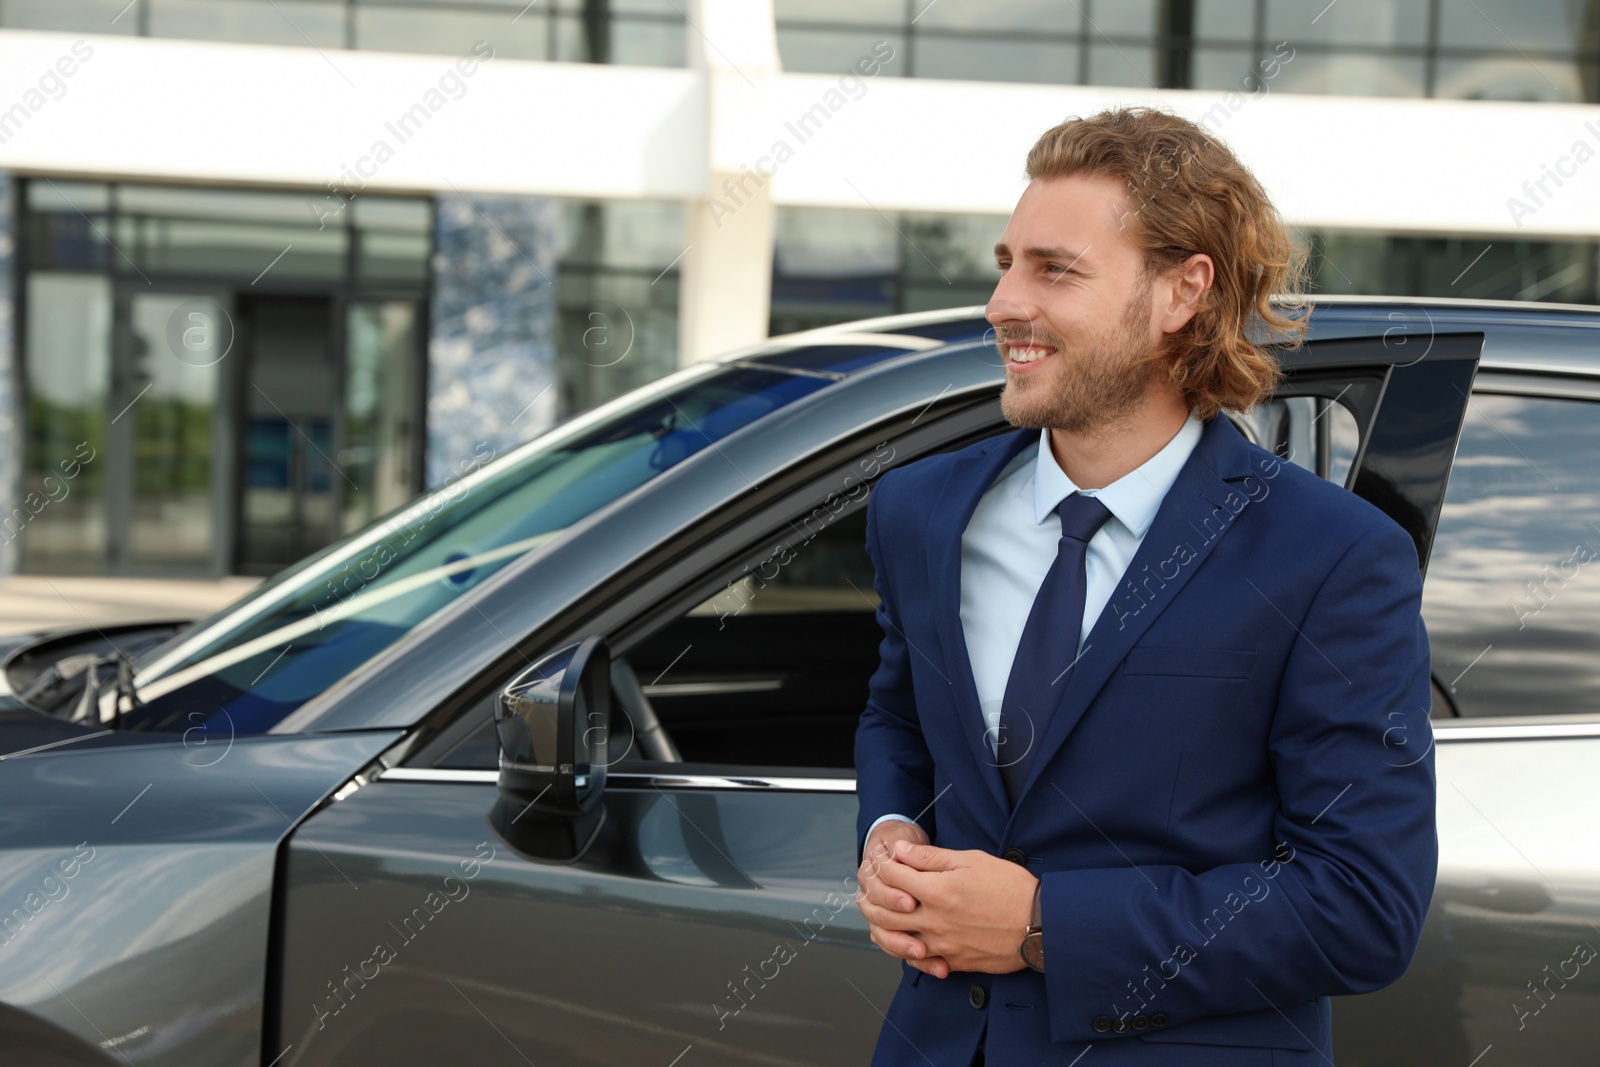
(1188, 193)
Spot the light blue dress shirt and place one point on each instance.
(1011, 542)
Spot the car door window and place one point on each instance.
(1512, 600)
(1310, 431)
(772, 668)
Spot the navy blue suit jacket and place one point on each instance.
(1232, 806)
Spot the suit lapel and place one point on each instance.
(1195, 514)
(969, 478)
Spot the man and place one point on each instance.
(1123, 778)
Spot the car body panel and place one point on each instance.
(1516, 910)
(693, 921)
(137, 888)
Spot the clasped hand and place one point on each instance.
(940, 909)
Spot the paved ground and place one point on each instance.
(37, 601)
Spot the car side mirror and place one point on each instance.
(552, 723)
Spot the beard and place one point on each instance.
(1104, 380)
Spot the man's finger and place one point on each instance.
(937, 966)
(887, 896)
(891, 920)
(928, 857)
(910, 880)
(898, 944)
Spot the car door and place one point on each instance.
(712, 920)
(1507, 969)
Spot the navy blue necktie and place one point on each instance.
(1049, 644)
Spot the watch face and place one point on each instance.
(1033, 951)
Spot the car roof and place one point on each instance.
(1527, 336)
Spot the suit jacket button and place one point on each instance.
(1158, 1019)
(977, 996)
(1101, 1024)
(1120, 1026)
(1015, 855)
(1141, 1021)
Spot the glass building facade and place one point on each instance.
(213, 382)
(1525, 50)
(638, 32)
(221, 380)
(834, 265)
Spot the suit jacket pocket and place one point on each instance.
(1190, 662)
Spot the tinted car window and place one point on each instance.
(1512, 599)
(246, 669)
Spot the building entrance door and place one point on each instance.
(288, 404)
(168, 454)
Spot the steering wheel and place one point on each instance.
(650, 740)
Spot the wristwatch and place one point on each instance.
(1032, 948)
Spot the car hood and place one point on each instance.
(136, 878)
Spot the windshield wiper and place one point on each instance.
(125, 691)
(37, 694)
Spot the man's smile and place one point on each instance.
(1024, 357)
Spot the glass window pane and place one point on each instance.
(880, 12)
(672, 9)
(1120, 18)
(62, 513)
(393, 239)
(79, 16)
(1343, 74)
(617, 332)
(642, 235)
(197, 246)
(1227, 20)
(1561, 271)
(181, 202)
(573, 43)
(452, 33)
(1122, 64)
(1562, 26)
(1001, 16)
(219, 231)
(830, 241)
(1513, 77)
(617, 291)
(381, 352)
(67, 224)
(832, 265)
(952, 247)
(515, 6)
(289, 406)
(977, 59)
(647, 44)
(1224, 68)
(1511, 602)
(393, 213)
(392, 257)
(834, 52)
(1357, 22)
(172, 519)
(287, 22)
(47, 194)
(820, 600)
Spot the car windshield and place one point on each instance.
(244, 669)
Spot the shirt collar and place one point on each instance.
(1132, 499)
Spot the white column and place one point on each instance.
(726, 288)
